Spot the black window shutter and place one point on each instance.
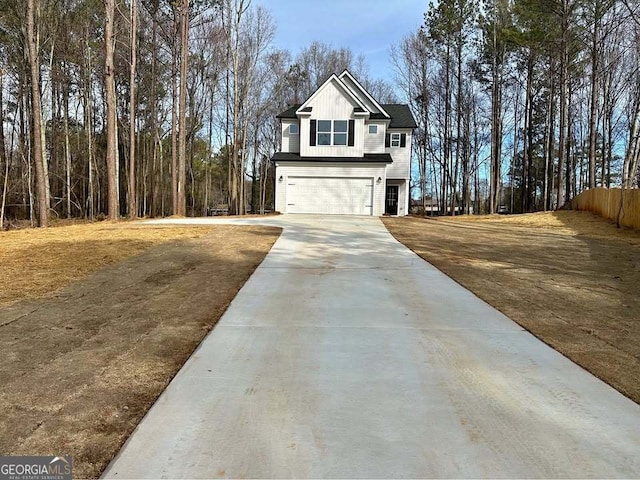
(387, 140)
(351, 132)
(312, 133)
(403, 140)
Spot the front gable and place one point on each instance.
(332, 102)
(333, 97)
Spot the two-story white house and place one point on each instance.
(344, 153)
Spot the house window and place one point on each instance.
(373, 129)
(339, 132)
(324, 132)
(395, 139)
(294, 129)
(332, 132)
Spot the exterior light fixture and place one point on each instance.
(379, 179)
(281, 178)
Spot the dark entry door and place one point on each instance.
(391, 205)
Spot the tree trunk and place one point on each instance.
(570, 177)
(564, 103)
(133, 15)
(54, 127)
(630, 161)
(548, 145)
(528, 142)
(466, 194)
(157, 190)
(593, 113)
(67, 152)
(182, 128)
(423, 138)
(5, 184)
(24, 149)
(459, 146)
(4, 158)
(496, 123)
(36, 109)
(447, 127)
(113, 189)
(174, 133)
(235, 171)
(605, 122)
(512, 169)
(254, 171)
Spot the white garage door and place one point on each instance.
(331, 195)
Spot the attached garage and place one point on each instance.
(330, 195)
(331, 186)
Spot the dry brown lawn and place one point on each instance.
(570, 278)
(38, 262)
(82, 364)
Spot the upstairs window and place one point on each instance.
(294, 129)
(395, 140)
(339, 132)
(373, 129)
(324, 132)
(332, 132)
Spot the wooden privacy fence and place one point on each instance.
(606, 202)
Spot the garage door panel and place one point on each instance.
(330, 195)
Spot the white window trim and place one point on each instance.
(331, 132)
(395, 140)
(297, 128)
(375, 127)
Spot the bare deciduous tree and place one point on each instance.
(111, 112)
(133, 18)
(42, 180)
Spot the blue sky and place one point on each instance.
(368, 27)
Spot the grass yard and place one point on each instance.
(38, 262)
(571, 278)
(96, 319)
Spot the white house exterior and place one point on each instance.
(344, 153)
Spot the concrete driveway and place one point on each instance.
(346, 355)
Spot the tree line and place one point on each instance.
(522, 104)
(113, 108)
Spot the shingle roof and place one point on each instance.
(401, 116)
(367, 158)
(290, 112)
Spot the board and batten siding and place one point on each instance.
(401, 166)
(332, 103)
(290, 141)
(374, 143)
(335, 170)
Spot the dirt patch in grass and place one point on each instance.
(570, 278)
(81, 366)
